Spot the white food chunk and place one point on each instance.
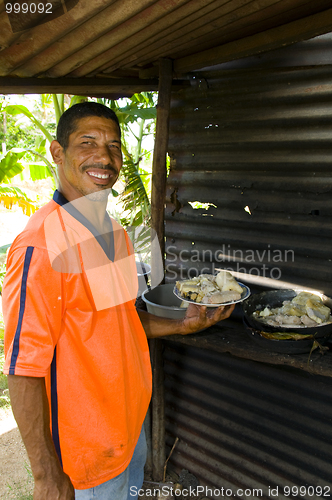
(287, 320)
(226, 282)
(221, 297)
(187, 286)
(317, 311)
(271, 322)
(302, 298)
(307, 321)
(265, 312)
(209, 277)
(207, 286)
(292, 309)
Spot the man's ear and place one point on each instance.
(56, 152)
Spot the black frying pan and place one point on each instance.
(284, 346)
(275, 298)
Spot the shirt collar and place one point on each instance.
(63, 202)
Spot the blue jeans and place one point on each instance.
(124, 486)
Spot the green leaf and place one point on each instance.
(144, 113)
(76, 99)
(39, 171)
(285, 335)
(19, 109)
(51, 171)
(61, 100)
(4, 248)
(10, 166)
(56, 108)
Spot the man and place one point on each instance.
(76, 352)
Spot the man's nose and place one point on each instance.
(104, 155)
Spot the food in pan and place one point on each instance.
(210, 289)
(306, 310)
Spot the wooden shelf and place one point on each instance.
(230, 337)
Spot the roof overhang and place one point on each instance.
(113, 47)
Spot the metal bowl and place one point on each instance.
(162, 302)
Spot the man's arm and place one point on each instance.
(197, 318)
(31, 411)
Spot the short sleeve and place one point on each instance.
(32, 309)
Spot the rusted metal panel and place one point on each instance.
(247, 425)
(254, 148)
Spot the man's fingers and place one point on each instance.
(214, 312)
(222, 312)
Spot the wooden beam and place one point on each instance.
(79, 86)
(54, 36)
(159, 175)
(296, 31)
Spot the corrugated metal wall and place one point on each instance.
(247, 425)
(257, 145)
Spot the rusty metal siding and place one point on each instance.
(244, 424)
(257, 145)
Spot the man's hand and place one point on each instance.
(58, 488)
(200, 317)
(197, 318)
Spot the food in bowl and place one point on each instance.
(210, 288)
(304, 310)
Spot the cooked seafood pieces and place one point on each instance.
(210, 289)
(306, 309)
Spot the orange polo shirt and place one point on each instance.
(68, 303)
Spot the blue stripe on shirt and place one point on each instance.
(16, 344)
(54, 408)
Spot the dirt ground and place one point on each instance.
(15, 476)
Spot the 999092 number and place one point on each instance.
(32, 8)
(310, 491)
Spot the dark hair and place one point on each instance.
(68, 121)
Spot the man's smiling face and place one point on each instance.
(93, 159)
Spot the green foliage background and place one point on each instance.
(27, 135)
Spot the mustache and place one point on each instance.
(101, 166)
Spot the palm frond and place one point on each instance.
(134, 196)
(11, 195)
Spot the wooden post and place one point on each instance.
(158, 411)
(159, 172)
(158, 193)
